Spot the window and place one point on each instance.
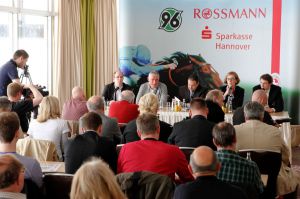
(27, 24)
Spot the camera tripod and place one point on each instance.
(26, 75)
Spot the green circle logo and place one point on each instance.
(170, 19)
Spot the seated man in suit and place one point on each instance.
(214, 102)
(196, 131)
(11, 177)
(254, 134)
(154, 86)
(152, 155)
(113, 90)
(205, 166)
(9, 135)
(259, 96)
(125, 110)
(275, 99)
(110, 128)
(192, 89)
(75, 107)
(89, 144)
(234, 168)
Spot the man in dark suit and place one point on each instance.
(205, 166)
(275, 99)
(214, 102)
(259, 96)
(192, 89)
(89, 144)
(113, 90)
(196, 131)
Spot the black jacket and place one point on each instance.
(193, 133)
(275, 99)
(87, 145)
(215, 113)
(109, 91)
(184, 93)
(238, 96)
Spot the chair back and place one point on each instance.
(269, 163)
(42, 150)
(187, 152)
(57, 185)
(74, 127)
(146, 185)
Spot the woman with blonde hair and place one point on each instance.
(49, 126)
(94, 180)
(147, 104)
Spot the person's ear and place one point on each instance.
(99, 129)
(190, 113)
(139, 133)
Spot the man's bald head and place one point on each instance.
(204, 161)
(260, 96)
(78, 93)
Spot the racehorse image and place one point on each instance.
(135, 64)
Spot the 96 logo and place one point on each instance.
(170, 19)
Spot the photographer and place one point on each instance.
(22, 107)
(9, 72)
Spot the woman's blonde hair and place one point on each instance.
(148, 104)
(94, 180)
(49, 109)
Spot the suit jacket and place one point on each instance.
(162, 92)
(184, 93)
(215, 113)
(86, 145)
(275, 99)
(238, 96)
(193, 133)
(123, 111)
(239, 118)
(109, 91)
(208, 187)
(110, 129)
(130, 132)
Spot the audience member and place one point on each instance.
(205, 166)
(9, 72)
(147, 104)
(254, 134)
(275, 99)
(192, 89)
(95, 180)
(152, 155)
(9, 135)
(234, 168)
(196, 131)
(154, 86)
(259, 96)
(110, 128)
(89, 144)
(232, 89)
(214, 102)
(75, 107)
(23, 107)
(125, 110)
(49, 126)
(113, 90)
(11, 178)
(5, 104)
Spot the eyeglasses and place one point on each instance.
(232, 78)
(119, 77)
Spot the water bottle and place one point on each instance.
(229, 104)
(184, 105)
(248, 156)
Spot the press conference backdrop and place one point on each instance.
(251, 37)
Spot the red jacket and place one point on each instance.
(155, 156)
(123, 111)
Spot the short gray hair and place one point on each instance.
(128, 96)
(202, 169)
(154, 72)
(95, 103)
(147, 123)
(254, 110)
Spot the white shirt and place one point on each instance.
(54, 130)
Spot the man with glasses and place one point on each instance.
(113, 90)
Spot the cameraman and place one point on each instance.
(22, 107)
(9, 72)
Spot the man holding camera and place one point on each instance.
(9, 72)
(25, 106)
